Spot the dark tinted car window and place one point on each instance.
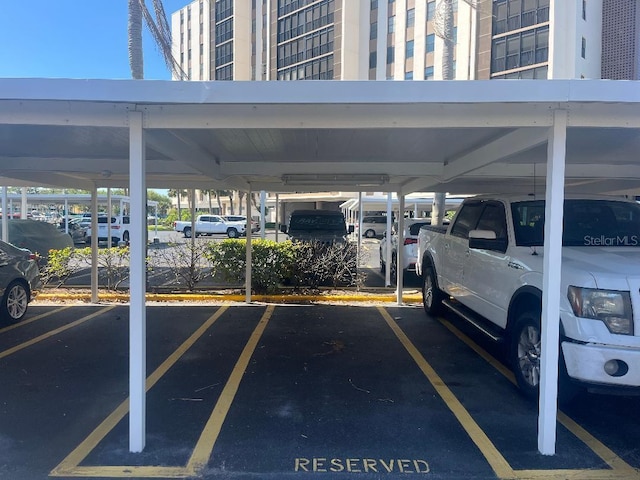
(415, 228)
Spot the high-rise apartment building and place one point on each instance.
(405, 39)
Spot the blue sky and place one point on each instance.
(73, 39)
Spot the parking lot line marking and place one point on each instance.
(605, 453)
(495, 459)
(70, 465)
(22, 323)
(50, 334)
(202, 451)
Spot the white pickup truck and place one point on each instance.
(212, 225)
(487, 267)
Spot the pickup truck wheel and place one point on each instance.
(232, 233)
(432, 296)
(187, 232)
(525, 353)
(370, 233)
(125, 237)
(383, 268)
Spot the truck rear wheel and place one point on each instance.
(432, 296)
(187, 232)
(232, 233)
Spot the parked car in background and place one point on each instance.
(211, 225)
(412, 228)
(19, 280)
(76, 231)
(373, 226)
(119, 230)
(325, 226)
(255, 226)
(38, 237)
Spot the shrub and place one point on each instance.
(318, 264)
(271, 262)
(59, 267)
(113, 264)
(186, 262)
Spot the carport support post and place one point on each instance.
(5, 217)
(387, 252)
(94, 244)
(137, 289)
(400, 250)
(248, 267)
(548, 408)
(359, 244)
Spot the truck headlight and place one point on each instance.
(609, 306)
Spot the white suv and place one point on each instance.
(119, 231)
(412, 228)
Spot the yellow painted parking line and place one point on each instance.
(70, 466)
(495, 459)
(208, 437)
(619, 468)
(50, 334)
(22, 323)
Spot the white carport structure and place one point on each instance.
(458, 137)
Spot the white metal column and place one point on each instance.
(552, 266)
(94, 244)
(400, 249)
(359, 244)
(5, 217)
(263, 213)
(137, 289)
(109, 215)
(387, 253)
(248, 256)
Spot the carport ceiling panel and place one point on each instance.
(55, 141)
(340, 145)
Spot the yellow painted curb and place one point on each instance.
(215, 297)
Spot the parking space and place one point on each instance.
(257, 391)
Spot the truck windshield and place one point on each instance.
(334, 223)
(587, 223)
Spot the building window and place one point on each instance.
(584, 9)
(392, 24)
(409, 50)
(431, 10)
(408, 75)
(373, 34)
(430, 43)
(391, 53)
(584, 48)
(374, 4)
(511, 15)
(411, 17)
(428, 73)
(520, 50)
(373, 60)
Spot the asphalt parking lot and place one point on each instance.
(273, 391)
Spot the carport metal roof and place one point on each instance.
(459, 137)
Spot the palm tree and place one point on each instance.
(161, 32)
